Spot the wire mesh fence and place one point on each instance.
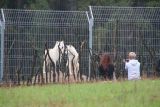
(116, 30)
(27, 31)
(119, 30)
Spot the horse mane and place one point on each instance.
(72, 49)
(56, 44)
(105, 60)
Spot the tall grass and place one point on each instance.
(144, 93)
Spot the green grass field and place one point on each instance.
(143, 93)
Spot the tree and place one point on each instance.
(73, 4)
(39, 4)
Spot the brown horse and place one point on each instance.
(106, 67)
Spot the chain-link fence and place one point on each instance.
(119, 30)
(27, 31)
(116, 30)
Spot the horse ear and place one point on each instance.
(57, 42)
(70, 45)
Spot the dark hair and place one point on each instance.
(105, 60)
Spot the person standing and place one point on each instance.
(133, 67)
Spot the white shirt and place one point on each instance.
(133, 68)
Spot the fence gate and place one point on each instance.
(119, 30)
(27, 30)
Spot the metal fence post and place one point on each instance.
(137, 31)
(28, 30)
(90, 19)
(2, 27)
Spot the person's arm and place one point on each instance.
(126, 65)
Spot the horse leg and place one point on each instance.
(77, 71)
(70, 71)
(50, 73)
(73, 69)
(67, 73)
(57, 75)
(54, 74)
(47, 65)
(44, 67)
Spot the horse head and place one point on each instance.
(68, 49)
(57, 44)
(61, 46)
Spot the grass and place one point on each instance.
(144, 93)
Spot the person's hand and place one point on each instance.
(124, 60)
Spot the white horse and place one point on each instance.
(73, 60)
(55, 54)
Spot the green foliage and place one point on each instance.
(153, 3)
(83, 4)
(2, 3)
(71, 4)
(40, 5)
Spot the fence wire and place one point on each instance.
(116, 30)
(27, 30)
(119, 30)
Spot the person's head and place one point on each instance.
(132, 55)
(105, 60)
